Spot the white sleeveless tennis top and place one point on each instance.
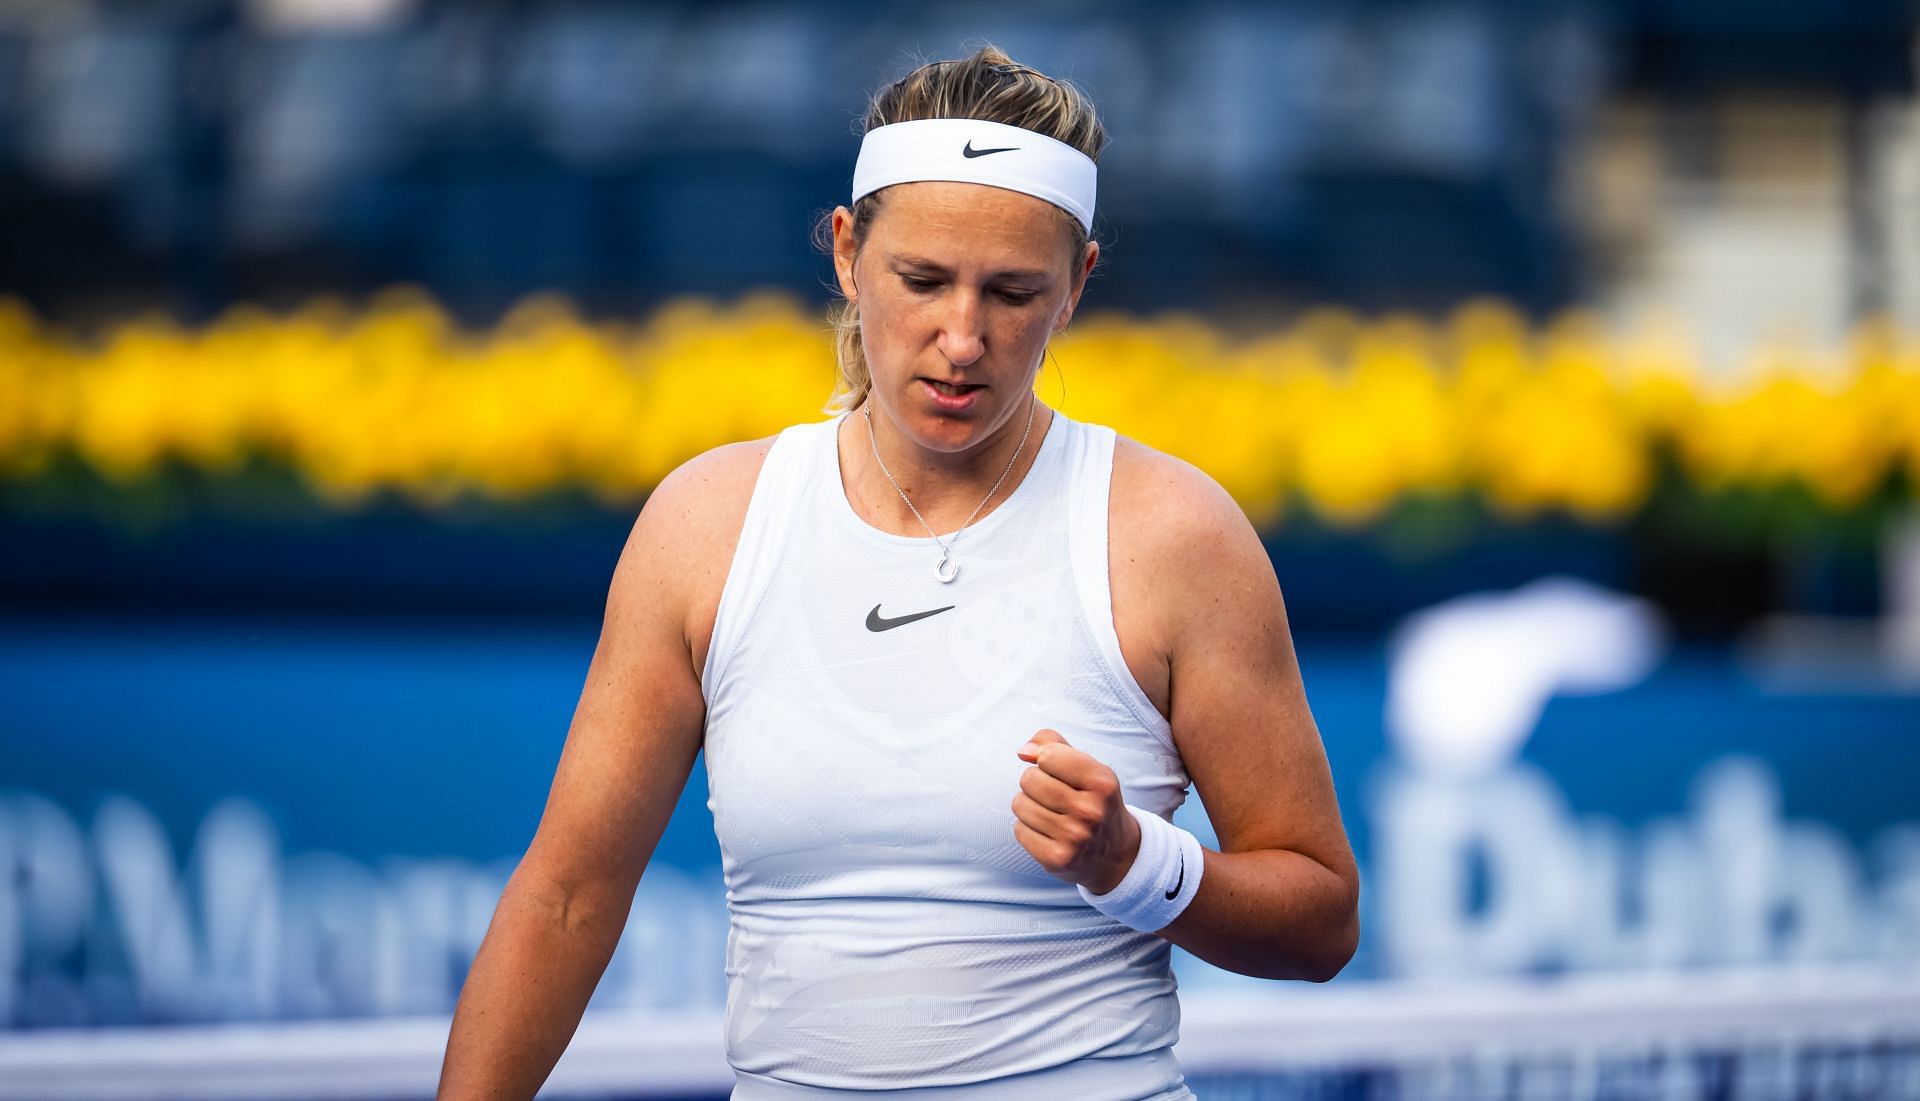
(887, 930)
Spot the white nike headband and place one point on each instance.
(972, 151)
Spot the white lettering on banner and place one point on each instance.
(46, 897)
(112, 929)
(1731, 884)
(228, 970)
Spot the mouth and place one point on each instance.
(954, 389)
(951, 397)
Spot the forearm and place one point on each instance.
(543, 954)
(1270, 913)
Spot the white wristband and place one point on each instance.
(1164, 877)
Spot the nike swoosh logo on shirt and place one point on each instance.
(970, 152)
(1182, 878)
(878, 622)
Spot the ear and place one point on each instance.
(844, 248)
(1079, 284)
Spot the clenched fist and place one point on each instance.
(1070, 816)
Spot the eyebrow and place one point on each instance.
(924, 264)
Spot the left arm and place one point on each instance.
(1281, 897)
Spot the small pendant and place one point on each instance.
(947, 569)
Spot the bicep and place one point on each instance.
(636, 729)
(1239, 710)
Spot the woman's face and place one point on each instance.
(958, 283)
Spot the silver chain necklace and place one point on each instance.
(947, 569)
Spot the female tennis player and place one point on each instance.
(954, 659)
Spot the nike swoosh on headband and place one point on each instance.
(970, 152)
(878, 622)
(923, 149)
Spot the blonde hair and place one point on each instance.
(986, 85)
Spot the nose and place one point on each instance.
(962, 339)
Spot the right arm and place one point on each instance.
(634, 737)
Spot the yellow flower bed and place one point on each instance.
(1349, 414)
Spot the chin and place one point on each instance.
(947, 432)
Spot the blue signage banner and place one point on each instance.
(272, 819)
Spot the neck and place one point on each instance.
(945, 486)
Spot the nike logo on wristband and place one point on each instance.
(1181, 879)
(970, 152)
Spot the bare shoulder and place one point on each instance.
(682, 543)
(708, 493)
(1179, 548)
(1174, 522)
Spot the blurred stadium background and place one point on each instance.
(1566, 352)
